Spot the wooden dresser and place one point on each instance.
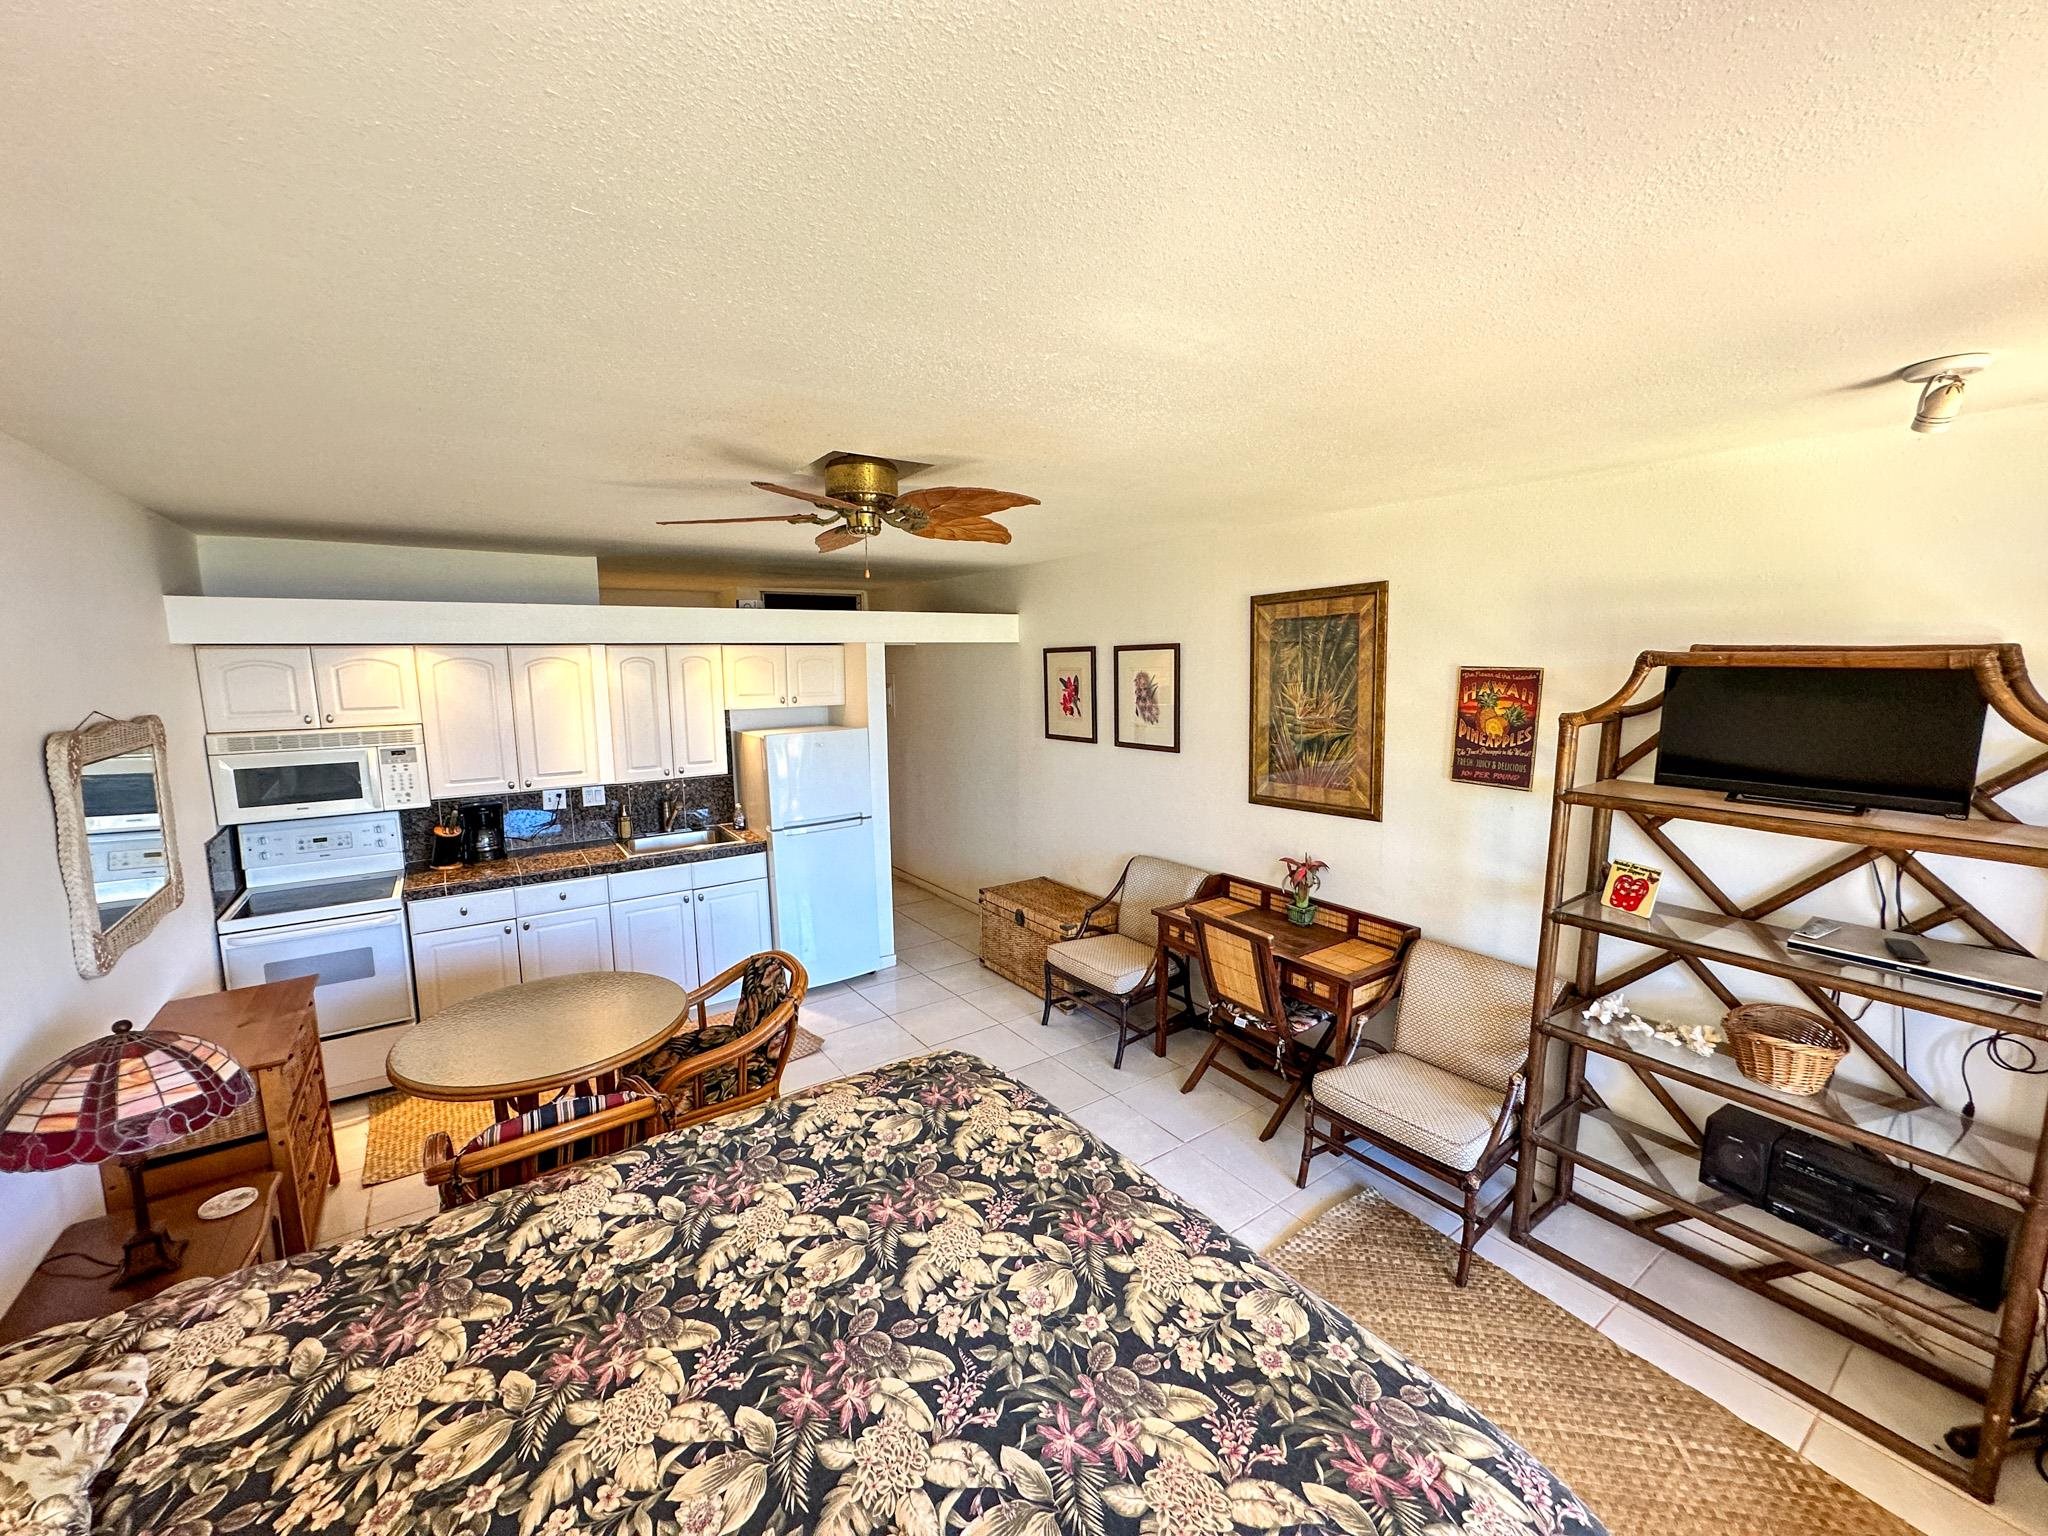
(271, 1031)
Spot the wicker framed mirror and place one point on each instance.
(117, 840)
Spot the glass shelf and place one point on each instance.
(1925, 1135)
(1761, 947)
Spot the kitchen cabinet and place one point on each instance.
(452, 964)
(697, 705)
(363, 686)
(658, 935)
(756, 676)
(643, 741)
(784, 676)
(296, 687)
(257, 687)
(732, 923)
(817, 674)
(565, 943)
(466, 710)
(559, 719)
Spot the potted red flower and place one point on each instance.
(1304, 875)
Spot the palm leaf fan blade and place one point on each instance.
(977, 530)
(948, 503)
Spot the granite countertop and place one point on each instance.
(606, 858)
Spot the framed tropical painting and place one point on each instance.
(1070, 692)
(1319, 684)
(1148, 697)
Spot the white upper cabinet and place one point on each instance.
(696, 701)
(817, 674)
(466, 707)
(365, 685)
(559, 716)
(257, 688)
(756, 676)
(784, 676)
(643, 744)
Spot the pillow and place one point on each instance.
(54, 1439)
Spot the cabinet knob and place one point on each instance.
(561, 895)
(527, 926)
(330, 719)
(462, 911)
(511, 784)
(508, 927)
(700, 895)
(529, 783)
(309, 719)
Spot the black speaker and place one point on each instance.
(1736, 1156)
(1961, 1244)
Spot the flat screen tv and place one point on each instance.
(1847, 738)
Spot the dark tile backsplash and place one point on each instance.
(530, 829)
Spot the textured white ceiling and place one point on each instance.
(455, 272)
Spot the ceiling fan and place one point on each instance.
(860, 500)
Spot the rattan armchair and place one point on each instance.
(1109, 970)
(1447, 1098)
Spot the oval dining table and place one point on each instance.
(523, 1045)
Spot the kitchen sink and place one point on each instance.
(668, 842)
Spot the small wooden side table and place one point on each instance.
(212, 1248)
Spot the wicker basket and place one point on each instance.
(1788, 1049)
(1018, 921)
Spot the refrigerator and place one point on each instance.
(810, 788)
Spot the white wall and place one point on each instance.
(234, 566)
(82, 627)
(1873, 537)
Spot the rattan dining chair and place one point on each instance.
(1248, 1011)
(1447, 1097)
(1108, 971)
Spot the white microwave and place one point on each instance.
(289, 774)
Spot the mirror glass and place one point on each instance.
(124, 832)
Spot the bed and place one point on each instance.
(918, 1299)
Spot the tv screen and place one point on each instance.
(1889, 738)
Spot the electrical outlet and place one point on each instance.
(554, 799)
(593, 794)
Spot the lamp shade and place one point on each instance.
(121, 1095)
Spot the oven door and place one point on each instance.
(282, 786)
(365, 974)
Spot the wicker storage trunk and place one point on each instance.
(1018, 921)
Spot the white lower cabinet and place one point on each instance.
(657, 935)
(565, 943)
(452, 964)
(687, 922)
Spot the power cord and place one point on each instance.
(2011, 1052)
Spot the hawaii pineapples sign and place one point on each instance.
(1494, 738)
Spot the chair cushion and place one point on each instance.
(553, 1113)
(1302, 1018)
(1108, 962)
(1467, 1013)
(1413, 1104)
(1150, 883)
(719, 1029)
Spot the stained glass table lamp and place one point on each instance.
(122, 1097)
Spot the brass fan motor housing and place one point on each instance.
(861, 480)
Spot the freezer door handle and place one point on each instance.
(320, 929)
(821, 826)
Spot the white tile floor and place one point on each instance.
(1205, 1147)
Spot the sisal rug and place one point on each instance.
(400, 1124)
(1648, 1454)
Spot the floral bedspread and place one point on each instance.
(918, 1300)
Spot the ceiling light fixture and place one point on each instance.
(1941, 400)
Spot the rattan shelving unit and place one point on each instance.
(1570, 1127)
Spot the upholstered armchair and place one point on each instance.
(1447, 1097)
(1109, 970)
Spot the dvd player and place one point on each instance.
(1960, 965)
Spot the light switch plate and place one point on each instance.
(593, 794)
(554, 799)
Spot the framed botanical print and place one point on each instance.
(1070, 692)
(1318, 706)
(1147, 697)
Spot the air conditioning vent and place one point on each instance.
(314, 741)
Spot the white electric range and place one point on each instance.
(323, 898)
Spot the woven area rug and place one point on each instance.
(1648, 1454)
(400, 1124)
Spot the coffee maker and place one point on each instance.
(483, 831)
